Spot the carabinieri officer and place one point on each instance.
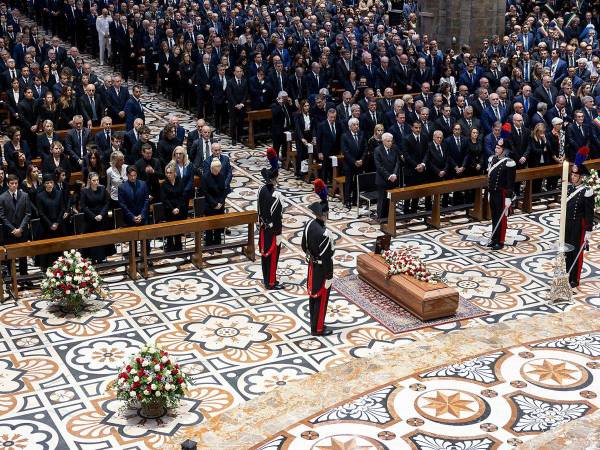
(501, 178)
(270, 214)
(318, 244)
(580, 221)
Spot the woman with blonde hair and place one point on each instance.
(175, 205)
(215, 192)
(373, 142)
(115, 176)
(184, 171)
(537, 152)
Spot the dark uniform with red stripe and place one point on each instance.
(270, 213)
(501, 179)
(580, 219)
(317, 243)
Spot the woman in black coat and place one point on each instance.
(56, 159)
(538, 152)
(305, 134)
(51, 211)
(215, 192)
(94, 204)
(174, 203)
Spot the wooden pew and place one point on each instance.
(132, 234)
(478, 183)
(255, 116)
(197, 226)
(63, 243)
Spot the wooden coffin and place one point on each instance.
(427, 301)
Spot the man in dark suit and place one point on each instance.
(133, 107)
(117, 97)
(493, 113)
(370, 118)
(103, 138)
(201, 150)
(578, 135)
(445, 122)
(15, 212)
(261, 91)
(468, 122)
(278, 78)
(202, 80)
(328, 143)
(353, 146)
(297, 86)
(546, 92)
(76, 142)
(387, 172)
(438, 161)
(414, 158)
(400, 128)
(458, 159)
(315, 80)
(131, 139)
(91, 106)
(134, 199)
(237, 94)
(281, 121)
(219, 91)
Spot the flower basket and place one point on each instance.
(70, 281)
(403, 261)
(151, 381)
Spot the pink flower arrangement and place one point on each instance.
(403, 261)
(151, 376)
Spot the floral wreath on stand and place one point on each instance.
(404, 261)
(593, 182)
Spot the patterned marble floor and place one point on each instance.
(55, 371)
(496, 400)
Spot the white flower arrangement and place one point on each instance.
(151, 376)
(403, 261)
(71, 280)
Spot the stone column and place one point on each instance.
(469, 21)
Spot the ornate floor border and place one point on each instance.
(263, 417)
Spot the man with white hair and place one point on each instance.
(387, 166)
(354, 149)
(281, 122)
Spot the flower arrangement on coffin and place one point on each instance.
(70, 281)
(593, 181)
(151, 380)
(403, 261)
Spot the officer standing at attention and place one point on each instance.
(270, 215)
(501, 179)
(317, 243)
(580, 220)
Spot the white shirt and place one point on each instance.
(114, 179)
(306, 122)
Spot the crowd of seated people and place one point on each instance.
(339, 79)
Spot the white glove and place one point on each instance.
(588, 235)
(507, 202)
(328, 283)
(278, 239)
